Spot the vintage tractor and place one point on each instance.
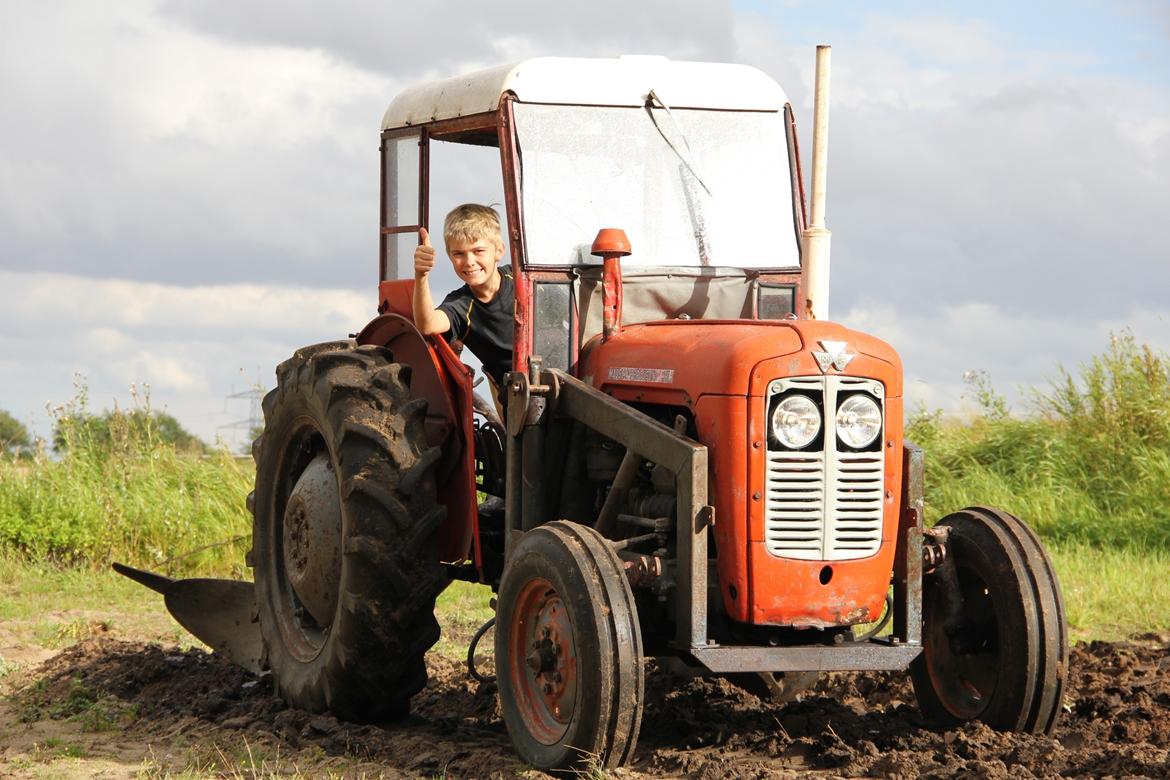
(694, 463)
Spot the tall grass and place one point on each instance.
(128, 495)
(1089, 466)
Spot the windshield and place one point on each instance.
(689, 187)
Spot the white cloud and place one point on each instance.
(983, 171)
(941, 39)
(134, 147)
(192, 345)
(452, 36)
(166, 372)
(203, 309)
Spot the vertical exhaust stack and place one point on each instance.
(815, 250)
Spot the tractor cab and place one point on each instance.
(695, 162)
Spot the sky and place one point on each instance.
(189, 188)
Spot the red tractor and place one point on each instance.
(694, 462)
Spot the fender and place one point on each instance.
(439, 377)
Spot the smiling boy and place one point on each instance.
(478, 314)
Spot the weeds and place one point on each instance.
(246, 762)
(79, 703)
(1091, 466)
(124, 491)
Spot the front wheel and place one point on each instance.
(994, 638)
(569, 650)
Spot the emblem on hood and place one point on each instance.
(834, 355)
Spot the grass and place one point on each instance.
(248, 762)
(89, 709)
(53, 605)
(1112, 594)
(462, 608)
(1089, 466)
(126, 494)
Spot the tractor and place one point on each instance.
(692, 463)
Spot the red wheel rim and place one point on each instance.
(543, 661)
(964, 669)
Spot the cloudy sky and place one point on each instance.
(188, 188)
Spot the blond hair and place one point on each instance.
(472, 222)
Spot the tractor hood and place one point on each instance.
(712, 357)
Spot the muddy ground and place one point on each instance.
(173, 710)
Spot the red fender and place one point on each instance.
(440, 377)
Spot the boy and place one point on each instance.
(478, 314)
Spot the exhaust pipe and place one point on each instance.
(815, 239)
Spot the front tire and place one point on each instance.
(569, 650)
(344, 533)
(995, 645)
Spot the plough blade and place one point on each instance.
(220, 613)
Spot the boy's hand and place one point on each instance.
(424, 256)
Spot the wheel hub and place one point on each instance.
(312, 540)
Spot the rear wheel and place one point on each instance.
(344, 533)
(994, 632)
(568, 650)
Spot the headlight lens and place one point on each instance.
(859, 421)
(796, 421)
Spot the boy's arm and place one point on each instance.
(427, 318)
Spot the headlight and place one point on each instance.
(859, 421)
(796, 421)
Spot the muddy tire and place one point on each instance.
(1000, 654)
(344, 533)
(569, 651)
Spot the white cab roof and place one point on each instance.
(620, 81)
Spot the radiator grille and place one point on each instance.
(825, 505)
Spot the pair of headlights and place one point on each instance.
(796, 421)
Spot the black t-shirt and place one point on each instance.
(486, 328)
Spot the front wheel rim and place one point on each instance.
(963, 661)
(543, 662)
(304, 635)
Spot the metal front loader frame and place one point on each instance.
(531, 402)
(640, 434)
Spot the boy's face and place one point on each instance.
(475, 261)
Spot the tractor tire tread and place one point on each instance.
(1051, 625)
(371, 660)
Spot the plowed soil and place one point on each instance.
(1116, 722)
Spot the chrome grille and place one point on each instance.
(824, 505)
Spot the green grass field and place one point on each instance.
(1088, 467)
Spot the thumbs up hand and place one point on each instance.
(424, 255)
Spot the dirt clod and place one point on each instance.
(1116, 720)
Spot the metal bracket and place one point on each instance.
(518, 396)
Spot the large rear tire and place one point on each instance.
(344, 533)
(995, 645)
(569, 650)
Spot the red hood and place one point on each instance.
(718, 356)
